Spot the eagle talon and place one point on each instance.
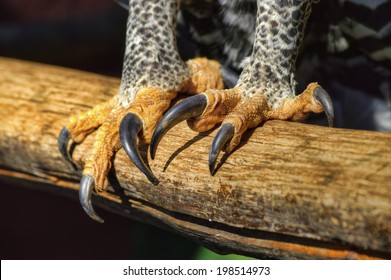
(62, 144)
(324, 99)
(130, 126)
(85, 192)
(221, 139)
(191, 107)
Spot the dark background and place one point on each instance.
(90, 35)
(87, 35)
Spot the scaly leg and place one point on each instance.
(266, 87)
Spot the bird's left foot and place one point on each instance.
(118, 125)
(136, 122)
(238, 112)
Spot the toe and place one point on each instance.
(219, 104)
(78, 127)
(82, 125)
(314, 99)
(106, 143)
(205, 74)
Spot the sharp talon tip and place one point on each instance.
(223, 136)
(154, 181)
(130, 126)
(212, 163)
(325, 100)
(330, 122)
(191, 107)
(85, 192)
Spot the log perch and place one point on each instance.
(291, 190)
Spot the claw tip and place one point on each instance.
(85, 192)
(324, 99)
(154, 181)
(221, 139)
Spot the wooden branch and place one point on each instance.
(290, 191)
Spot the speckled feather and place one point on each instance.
(271, 30)
(271, 66)
(151, 55)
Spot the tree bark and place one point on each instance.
(291, 190)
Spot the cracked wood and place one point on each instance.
(290, 191)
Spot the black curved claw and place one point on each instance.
(62, 143)
(324, 99)
(85, 192)
(222, 137)
(130, 126)
(189, 108)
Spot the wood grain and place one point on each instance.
(290, 190)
